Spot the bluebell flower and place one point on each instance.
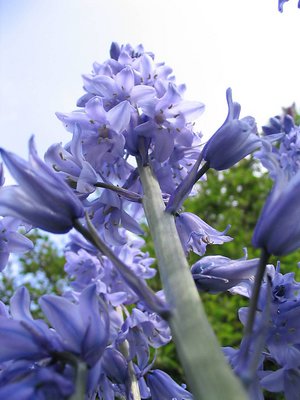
(29, 355)
(162, 387)
(278, 229)
(195, 234)
(115, 365)
(43, 199)
(234, 140)
(167, 120)
(143, 329)
(287, 153)
(29, 381)
(71, 163)
(217, 273)
(83, 327)
(280, 4)
(286, 380)
(11, 241)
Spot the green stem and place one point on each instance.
(137, 284)
(202, 171)
(208, 375)
(264, 257)
(261, 339)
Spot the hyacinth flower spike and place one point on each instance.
(42, 198)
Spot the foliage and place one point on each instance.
(41, 270)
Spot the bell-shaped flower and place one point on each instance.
(278, 228)
(285, 380)
(195, 234)
(167, 118)
(22, 337)
(27, 381)
(11, 241)
(43, 199)
(162, 387)
(83, 327)
(234, 140)
(115, 365)
(217, 273)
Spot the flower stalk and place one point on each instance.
(133, 281)
(264, 257)
(209, 376)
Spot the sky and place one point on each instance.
(45, 46)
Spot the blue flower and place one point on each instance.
(162, 387)
(195, 234)
(217, 273)
(278, 228)
(281, 3)
(83, 327)
(11, 241)
(43, 199)
(234, 140)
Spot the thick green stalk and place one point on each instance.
(208, 375)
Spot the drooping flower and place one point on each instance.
(278, 228)
(11, 241)
(43, 199)
(195, 234)
(217, 273)
(234, 140)
(162, 387)
(84, 327)
(280, 4)
(167, 119)
(287, 153)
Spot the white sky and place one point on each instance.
(45, 46)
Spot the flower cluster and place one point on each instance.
(103, 333)
(278, 329)
(280, 212)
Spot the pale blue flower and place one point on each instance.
(278, 228)
(43, 199)
(234, 140)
